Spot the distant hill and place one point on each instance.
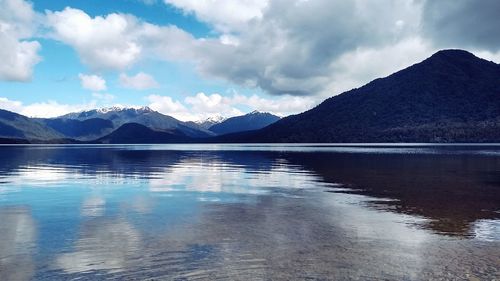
(16, 126)
(13, 141)
(144, 116)
(251, 121)
(133, 133)
(88, 129)
(453, 96)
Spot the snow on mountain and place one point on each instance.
(210, 121)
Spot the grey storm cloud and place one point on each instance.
(292, 48)
(463, 23)
(296, 46)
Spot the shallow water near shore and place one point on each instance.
(250, 212)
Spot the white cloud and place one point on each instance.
(197, 107)
(168, 106)
(228, 39)
(53, 109)
(108, 42)
(18, 58)
(202, 106)
(18, 55)
(10, 105)
(140, 81)
(208, 105)
(117, 41)
(92, 82)
(225, 15)
(46, 109)
(282, 106)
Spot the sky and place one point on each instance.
(193, 59)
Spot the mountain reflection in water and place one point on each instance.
(249, 212)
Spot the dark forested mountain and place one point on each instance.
(453, 96)
(251, 121)
(88, 129)
(144, 116)
(16, 126)
(133, 133)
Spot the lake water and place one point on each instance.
(254, 212)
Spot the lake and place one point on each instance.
(250, 212)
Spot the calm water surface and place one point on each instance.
(255, 212)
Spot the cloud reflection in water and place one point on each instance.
(134, 213)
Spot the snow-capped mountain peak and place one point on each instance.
(118, 108)
(210, 121)
(110, 109)
(99, 112)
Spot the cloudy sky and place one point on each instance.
(196, 58)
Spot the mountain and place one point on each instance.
(210, 121)
(144, 116)
(88, 129)
(133, 133)
(251, 121)
(16, 126)
(453, 96)
(109, 113)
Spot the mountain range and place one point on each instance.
(154, 120)
(114, 125)
(453, 96)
